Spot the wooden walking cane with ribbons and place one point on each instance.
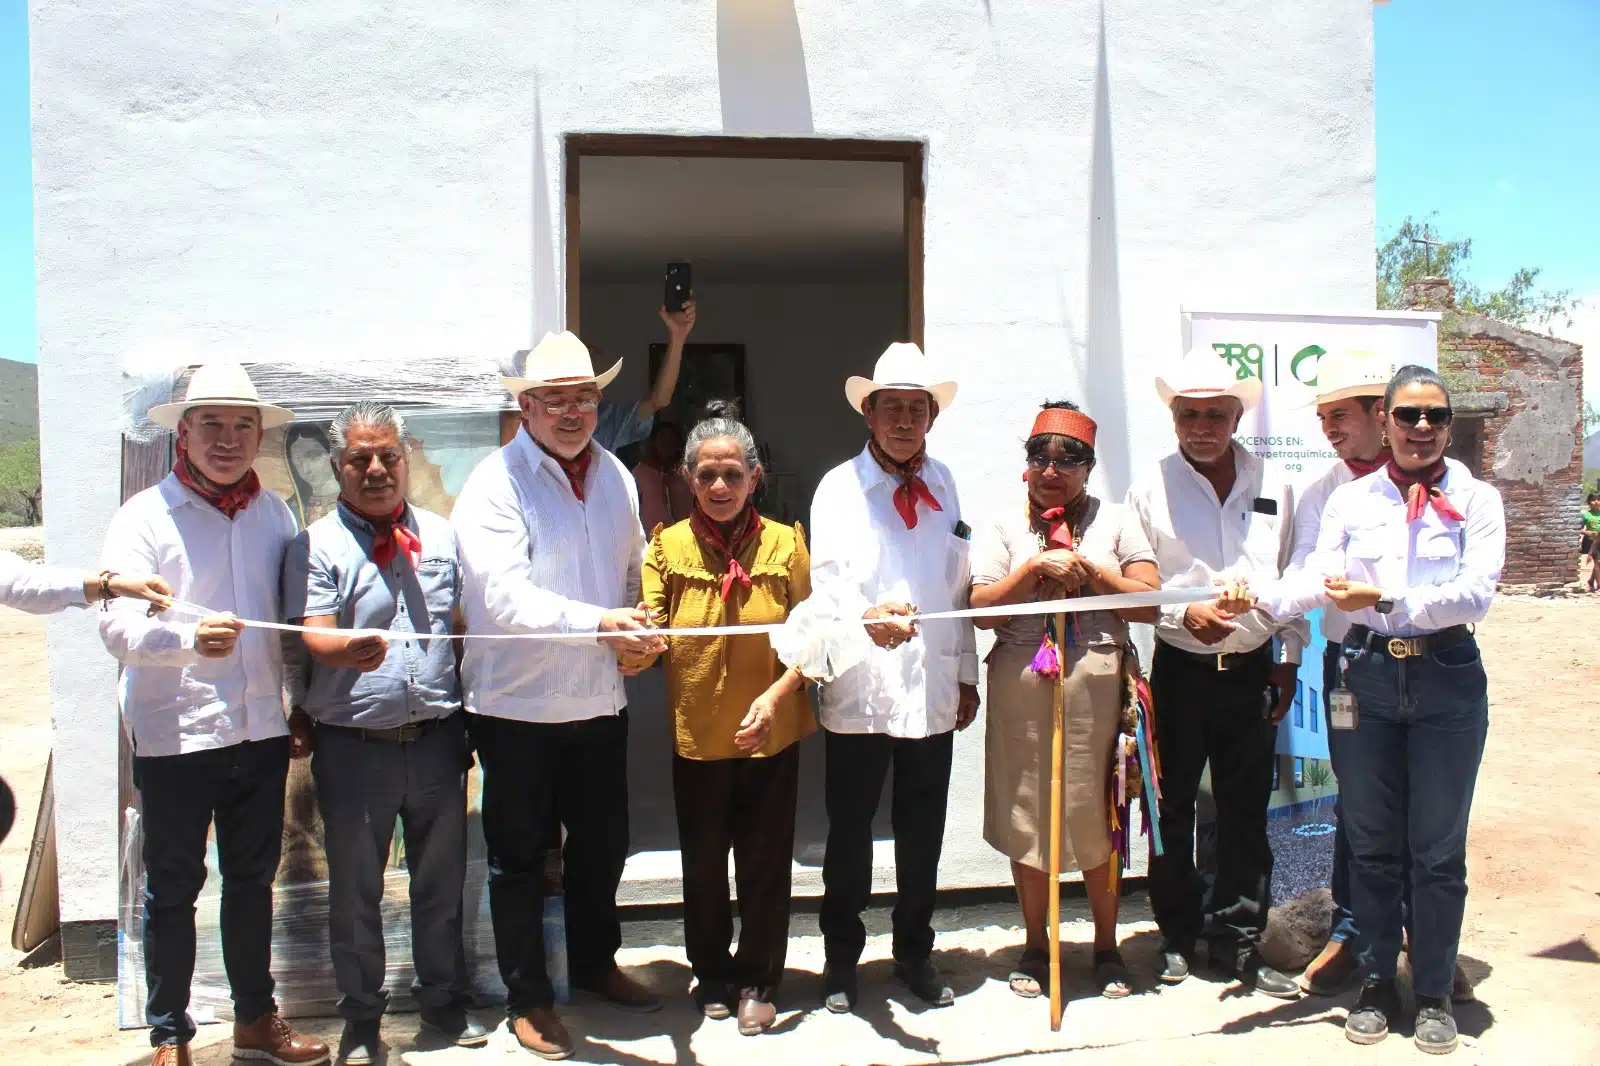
(1057, 739)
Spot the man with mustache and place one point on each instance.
(203, 704)
(1212, 511)
(889, 541)
(550, 542)
(383, 724)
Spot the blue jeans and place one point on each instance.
(1412, 765)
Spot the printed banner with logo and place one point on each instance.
(1285, 351)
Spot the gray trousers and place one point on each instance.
(362, 787)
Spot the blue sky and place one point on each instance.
(1488, 112)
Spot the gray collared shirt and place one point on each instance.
(329, 570)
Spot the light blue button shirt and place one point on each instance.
(328, 570)
(619, 425)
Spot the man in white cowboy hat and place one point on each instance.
(889, 541)
(550, 543)
(1213, 511)
(1349, 403)
(203, 704)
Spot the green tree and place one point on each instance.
(1403, 259)
(21, 494)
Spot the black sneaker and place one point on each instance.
(839, 988)
(1377, 1004)
(925, 982)
(456, 1024)
(1436, 1026)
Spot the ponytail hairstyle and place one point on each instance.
(720, 418)
(1412, 374)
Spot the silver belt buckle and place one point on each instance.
(1405, 648)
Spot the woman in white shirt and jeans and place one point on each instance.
(1418, 547)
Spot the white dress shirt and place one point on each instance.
(862, 554)
(1307, 520)
(1439, 571)
(1198, 538)
(173, 699)
(38, 589)
(535, 559)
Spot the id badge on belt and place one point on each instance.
(1342, 702)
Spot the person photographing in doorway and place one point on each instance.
(618, 424)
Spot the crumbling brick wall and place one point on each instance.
(1532, 446)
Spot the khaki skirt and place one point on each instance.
(1016, 808)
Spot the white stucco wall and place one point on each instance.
(354, 177)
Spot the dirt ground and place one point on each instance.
(1532, 935)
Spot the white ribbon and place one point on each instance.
(1120, 601)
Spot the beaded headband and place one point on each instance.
(1064, 422)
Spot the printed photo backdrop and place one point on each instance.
(447, 443)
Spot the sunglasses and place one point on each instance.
(1407, 416)
(1041, 463)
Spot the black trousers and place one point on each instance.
(853, 784)
(748, 805)
(1202, 714)
(241, 788)
(533, 774)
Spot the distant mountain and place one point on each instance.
(19, 401)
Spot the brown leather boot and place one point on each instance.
(624, 993)
(542, 1033)
(271, 1038)
(1331, 972)
(171, 1055)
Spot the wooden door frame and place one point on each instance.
(909, 154)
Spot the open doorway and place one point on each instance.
(807, 263)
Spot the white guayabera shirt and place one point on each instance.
(1198, 538)
(38, 589)
(1439, 571)
(536, 559)
(862, 554)
(174, 700)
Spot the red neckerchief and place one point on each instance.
(1055, 526)
(391, 536)
(912, 488)
(1422, 489)
(1363, 467)
(576, 468)
(749, 525)
(229, 499)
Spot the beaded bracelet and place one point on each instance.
(106, 593)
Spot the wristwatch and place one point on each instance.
(1384, 605)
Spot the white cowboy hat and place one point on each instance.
(220, 385)
(901, 366)
(559, 359)
(1343, 375)
(1204, 375)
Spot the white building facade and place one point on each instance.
(356, 180)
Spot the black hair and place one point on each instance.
(1367, 402)
(720, 418)
(1593, 496)
(1039, 444)
(1412, 374)
(663, 425)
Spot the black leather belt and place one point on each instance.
(404, 734)
(1365, 639)
(1232, 660)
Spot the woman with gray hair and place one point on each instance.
(738, 714)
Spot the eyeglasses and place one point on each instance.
(581, 406)
(1040, 463)
(1408, 416)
